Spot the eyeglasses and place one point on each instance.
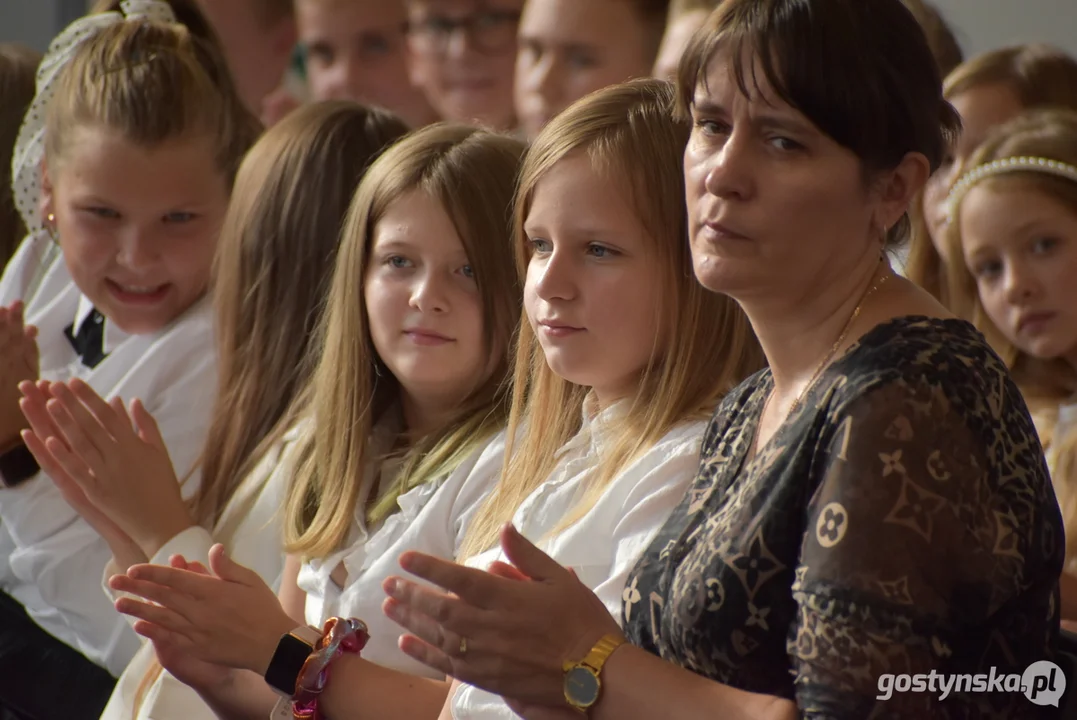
(491, 31)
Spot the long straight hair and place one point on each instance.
(623, 129)
(471, 173)
(271, 274)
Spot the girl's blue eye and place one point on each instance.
(601, 251)
(467, 272)
(397, 261)
(539, 245)
(179, 217)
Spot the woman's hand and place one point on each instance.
(118, 461)
(520, 629)
(125, 551)
(230, 618)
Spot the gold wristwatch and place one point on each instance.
(582, 679)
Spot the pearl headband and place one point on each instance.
(1001, 167)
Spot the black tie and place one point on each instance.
(89, 341)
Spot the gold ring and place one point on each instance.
(463, 646)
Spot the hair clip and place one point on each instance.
(1001, 167)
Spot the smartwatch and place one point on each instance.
(292, 652)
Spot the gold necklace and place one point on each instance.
(833, 349)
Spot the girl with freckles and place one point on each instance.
(873, 502)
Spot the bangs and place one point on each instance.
(827, 60)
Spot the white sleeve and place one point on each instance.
(26, 268)
(58, 559)
(193, 544)
(645, 510)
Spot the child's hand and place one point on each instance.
(44, 433)
(231, 618)
(119, 461)
(184, 666)
(18, 362)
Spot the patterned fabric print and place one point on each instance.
(901, 521)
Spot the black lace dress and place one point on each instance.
(900, 521)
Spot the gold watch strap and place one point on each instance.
(601, 652)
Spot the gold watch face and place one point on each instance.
(581, 687)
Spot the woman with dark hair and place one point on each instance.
(874, 505)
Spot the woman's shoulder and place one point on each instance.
(916, 351)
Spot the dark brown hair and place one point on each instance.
(940, 37)
(18, 64)
(862, 72)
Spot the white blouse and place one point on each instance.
(250, 527)
(50, 559)
(431, 519)
(602, 547)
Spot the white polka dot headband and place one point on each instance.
(1001, 167)
(30, 144)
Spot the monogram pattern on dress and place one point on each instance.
(900, 520)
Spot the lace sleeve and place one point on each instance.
(925, 532)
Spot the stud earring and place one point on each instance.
(50, 226)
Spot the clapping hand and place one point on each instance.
(508, 630)
(106, 460)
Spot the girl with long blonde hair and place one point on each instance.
(271, 277)
(408, 401)
(621, 356)
(1013, 234)
(986, 90)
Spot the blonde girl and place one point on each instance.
(986, 90)
(408, 401)
(620, 360)
(272, 272)
(1013, 234)
(141, 134)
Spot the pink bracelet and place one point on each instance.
(339, 636)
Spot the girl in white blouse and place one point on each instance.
(273, 267)
(409, 399)
(127, 158)
(620, 361)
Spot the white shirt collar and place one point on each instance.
(597, 425)
(113, 336)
